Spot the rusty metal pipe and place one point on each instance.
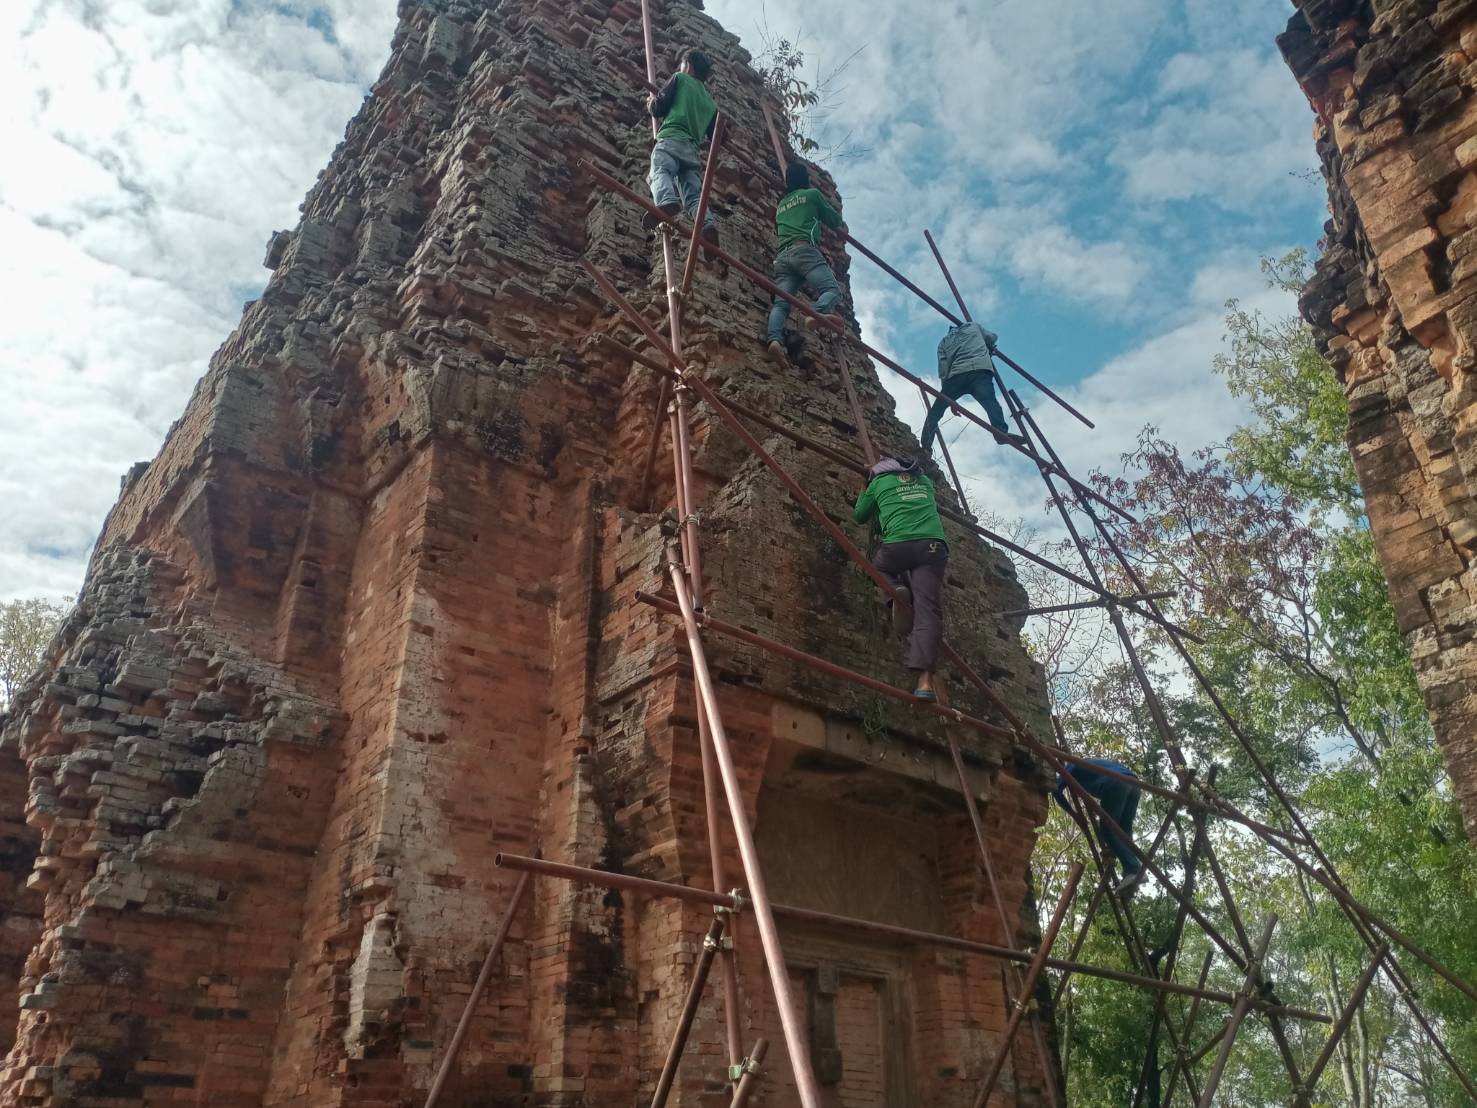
(769, 938)
(712, 941)
(682, 457)
(1346, 1017)
(654, 444)
(1238, 1013)
(948, 458)
(727, 959)
(1190, 1017)
(1023, 1001)
(753, 1069)
(1197, 844)
(709, 171)
(907, 284)
(478, 988)
(856, 412)
(647, 887)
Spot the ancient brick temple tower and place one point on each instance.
(1394, 304)
(369, 618)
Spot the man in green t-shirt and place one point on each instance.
(913, 556)
(687, 113)
(798, 218)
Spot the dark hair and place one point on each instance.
(702, 65)
(797, 176)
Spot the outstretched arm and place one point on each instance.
(1060, 796)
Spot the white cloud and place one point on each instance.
(152, 147)
(1227, 130)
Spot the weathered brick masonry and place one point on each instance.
(1394, 305)
(368, 618)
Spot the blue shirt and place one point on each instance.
(1089, 779)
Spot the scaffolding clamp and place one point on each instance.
(747, 1066)
(740, 902)
(724, 942)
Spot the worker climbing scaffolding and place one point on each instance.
(799, 217)
(913, 555)
(965, 369)
(904, 502)
(687, 114)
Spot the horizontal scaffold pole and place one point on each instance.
(858, 466)
(647, 887)
(953, 715)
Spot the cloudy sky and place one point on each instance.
(1102, 176)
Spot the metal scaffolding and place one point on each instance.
(679, 387)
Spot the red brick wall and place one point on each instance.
(370, 618)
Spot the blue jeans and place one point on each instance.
(1120, 802)
(978, 385)
(796, 265)
(677, 177)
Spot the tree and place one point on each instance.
(26, 627)
(1265, 540)
(806, 101)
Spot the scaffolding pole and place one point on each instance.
(1238, 1014)
(1023, 1000)
(1180, 1061)
(684, 491)
(712, 942)
(769, 939)
(645, 886)
(1356, 998)
(453, 1049)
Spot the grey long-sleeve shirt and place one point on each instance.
(965, 349)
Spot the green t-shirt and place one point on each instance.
(905, 504)
(799, 216)
(691, 113)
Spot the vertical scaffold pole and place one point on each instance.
(732, 1002)
(1023, 1002)
(454, 1047)
(712, 942)
(1238, 1014)
(769, 937)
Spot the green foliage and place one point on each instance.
(1265, 540)
(1296, 443)
(26, 626)
(783, 74)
